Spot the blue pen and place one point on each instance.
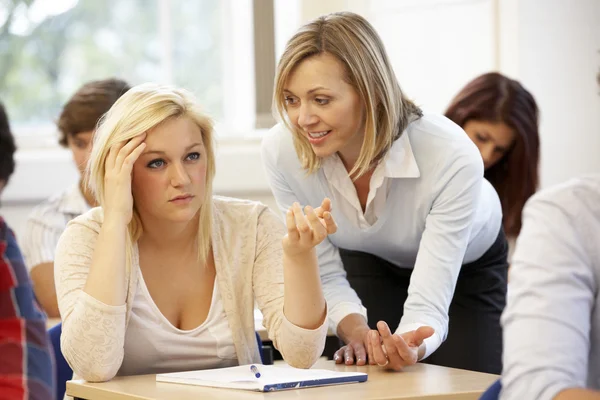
(255, 371)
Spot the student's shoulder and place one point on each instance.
(230, 211)
(49, 211)
(578, 197)
(231, 207)
(90, 221)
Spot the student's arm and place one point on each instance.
(93, 322)
(304, 304)
(342, 300)
(91, 275)
(546, 324)
(39, 247)
(42, 276)
(288, 293)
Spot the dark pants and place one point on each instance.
(474, 339)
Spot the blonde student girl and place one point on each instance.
(164, 275)
(420, 242)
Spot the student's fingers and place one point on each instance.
(128, 148)
(318, 230)
(330, 224)
(360, 353)
(290, 222)
(378, 353)
(135, 154)
(396, 360)
(301, 222)
(112, 154)
(319, 211)
(326, 204)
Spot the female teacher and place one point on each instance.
(420, 243)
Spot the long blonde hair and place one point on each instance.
(140, 109)
(355, 43)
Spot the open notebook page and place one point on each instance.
(272, 378)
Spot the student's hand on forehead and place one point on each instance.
(117, 178)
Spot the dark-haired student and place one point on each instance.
(501, 117)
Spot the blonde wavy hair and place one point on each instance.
(140, 109)
(355, 43)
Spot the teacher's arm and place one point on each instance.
(442, 248)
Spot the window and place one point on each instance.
(49, 48)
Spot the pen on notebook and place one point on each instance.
(255, 371)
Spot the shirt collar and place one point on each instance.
(73, 202)
(399, 161)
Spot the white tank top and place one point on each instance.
(153, 345)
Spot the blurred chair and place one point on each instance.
(493, 392)
(63, 371)
(266, 352)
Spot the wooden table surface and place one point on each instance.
(421, 381)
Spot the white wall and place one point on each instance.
(558, 57)
(436, 46)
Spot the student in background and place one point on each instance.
(420, 240)
(164, 277)
(47, 221)
(26, 359)
(501, 118)
(552, 318)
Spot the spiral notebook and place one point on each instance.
(271, 378)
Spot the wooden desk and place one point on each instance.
(421, 381)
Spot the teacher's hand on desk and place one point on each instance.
(381, 347)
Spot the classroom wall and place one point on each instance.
(558, 58)
(552, 46)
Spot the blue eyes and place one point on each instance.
(156, 163)
(159, 162)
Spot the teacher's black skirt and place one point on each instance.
(474, 339)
